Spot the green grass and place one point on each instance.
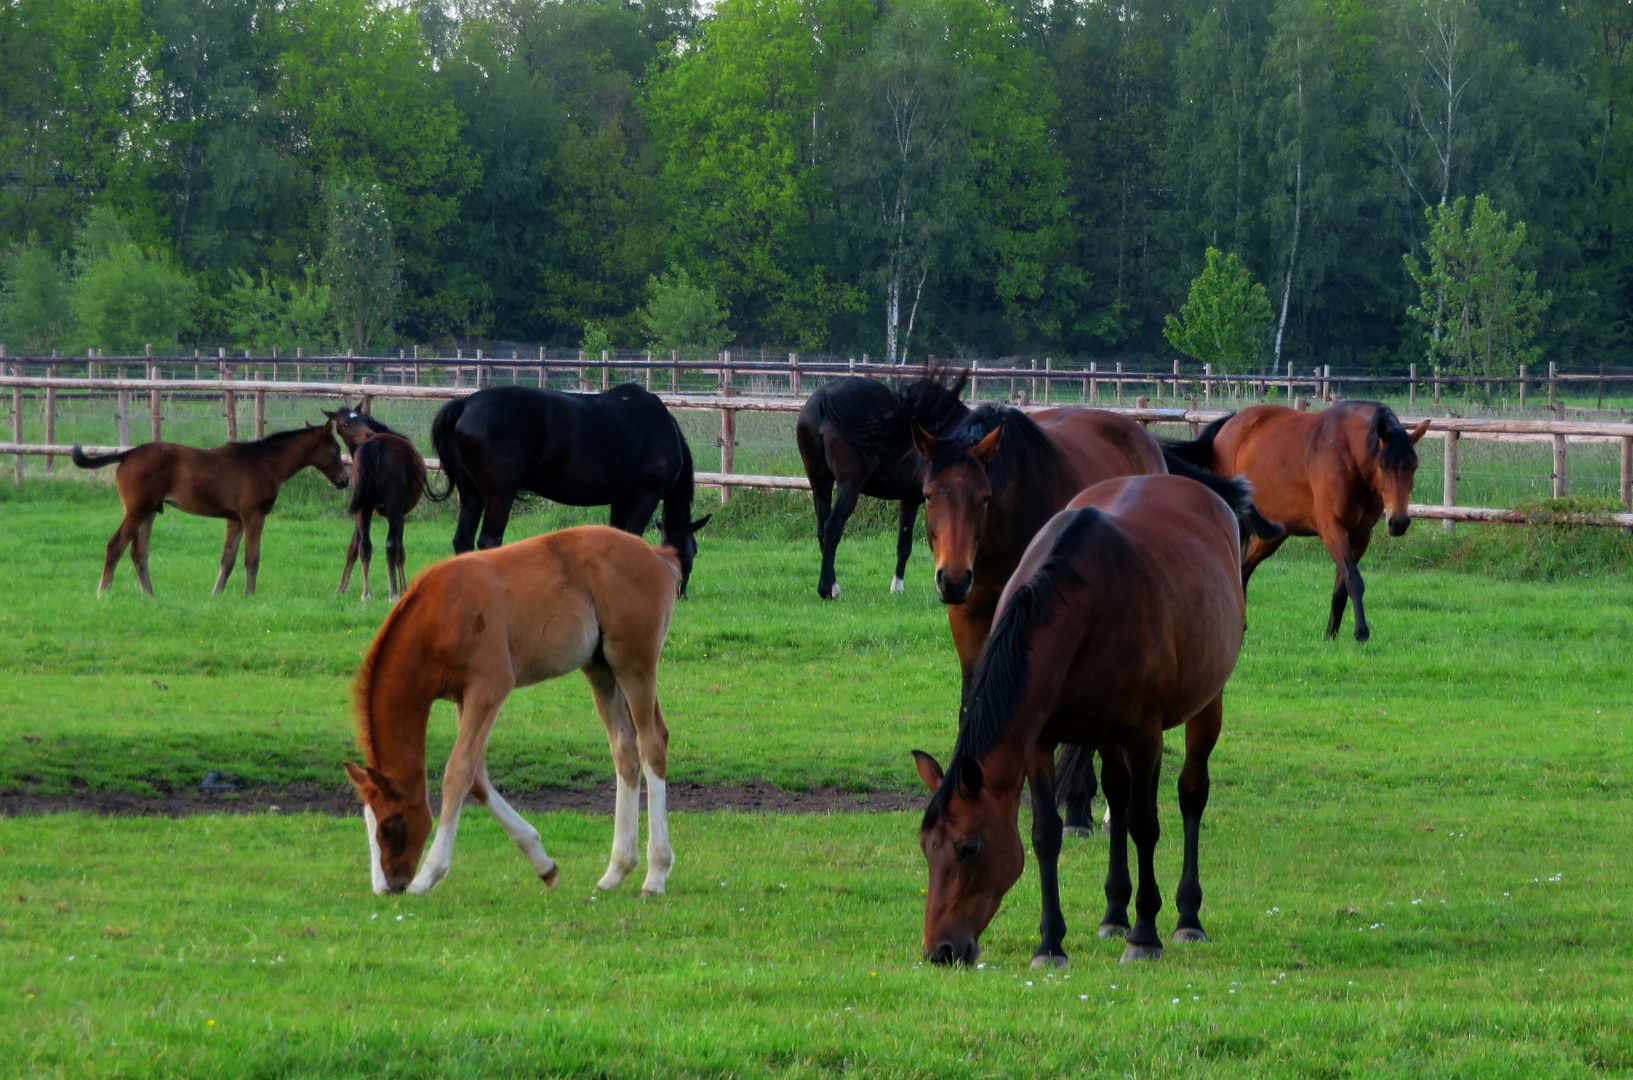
(1474, 757)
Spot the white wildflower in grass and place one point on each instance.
(1080, 997)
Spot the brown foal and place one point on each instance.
(472, 629)
(1332, 474)
(238, 482)
(1123, 620)
(388, 478)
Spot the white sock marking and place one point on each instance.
(521, 832)
(897, 585)
(626, 828)
(660, 857)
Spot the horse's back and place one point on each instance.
(1100, 444)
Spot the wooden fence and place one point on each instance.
(1557, 432)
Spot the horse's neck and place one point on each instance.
(399, 712)
(290, 457)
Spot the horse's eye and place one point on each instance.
(968, 849)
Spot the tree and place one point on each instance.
(1216, 324)
(681, 314)
(1484, 307)
(35, 298)
(264, 314)
(123, 296)
(359, 264)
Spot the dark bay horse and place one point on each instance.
(621, 449)
(472, 629)
(238, 482)
(1331, 474)
(1123, 620)
(856, 433)
(388, 478)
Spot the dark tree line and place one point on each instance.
(949, 175)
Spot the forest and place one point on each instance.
(1387, 180)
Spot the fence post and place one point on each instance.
(793, 374)
(1207, 390)
(1437, 384)
(154, 401)
(16, 414)
(544, 378)
(674, 371)
(1601, 404)
(1627, 473)
(1142, 402)
(1560, 476)
(1289, 382)
(1553, 385)
(260, 409)
(1119, 384)
(1412, 386)
(1092, 395)
(1448, 488)
(1032, 393)
(1522, 386)
(50, 422)
(229, 400)
(728, 431)
(975, 382)
(1048, 383)
(1302, 404)
(648, 370)
(606, 373)
(124, 406)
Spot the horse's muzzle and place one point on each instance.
(953, 952)
(343, 483)
(1399, 525)
(951, 591)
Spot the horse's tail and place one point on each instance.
(96, 461)
(1074, 778)
(1199, 451)
(365, 470)
(442, 437)
(1236, 491)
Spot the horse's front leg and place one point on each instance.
(229, 554)
(465, 765)
(252, 551)
(521, 833)
(907, 513)
(1046, 837)
(1114, 780)
(832, 531)
(1201, 735)
(1347, 584)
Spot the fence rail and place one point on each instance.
(1453, 430)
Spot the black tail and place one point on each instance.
(86, 461)
(442, 437)
(1199, 451)
(365, 476)
(1074, 783)
(1236, 491)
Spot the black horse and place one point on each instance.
(620, 448)
(856, 432)
(388, 478)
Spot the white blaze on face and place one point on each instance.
(377, 873)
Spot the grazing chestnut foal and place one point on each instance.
(1331, 474)
(472, 629)
(238, 481)
(1123, 620)
(388, 478)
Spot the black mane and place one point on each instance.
(279, 437)
(1395, 451)
(1001, 675)
(933, 402)
(855, 410)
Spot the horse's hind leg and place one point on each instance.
(465, 766)
(1046, 837)
(1114, 780)
(365, 544)
(396, 557)
(252, 551)
(652, 737)
(1074, 786)
(906, 514)
(1347, 584)
(1201, 734)
(138, 555)
(117, 543)
(229, 555)
(832, 531)
(470, 516)
(611, 703)
(351, 558)
(495, 516)
(1144, 752)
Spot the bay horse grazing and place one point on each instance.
(1331, 474)
(388, 478)
(621, 449)
(855, 433)
(1123, 620)
(472, 629)
(238, 482)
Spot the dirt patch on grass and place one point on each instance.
(342, 801)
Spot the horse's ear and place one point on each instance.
(1380, 425)
(923, 440)
(987, 447)
(970, 778)
(359, 777)
(700, 522)
(1418, 432)
(929, 770)
(329, 427)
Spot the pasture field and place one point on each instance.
(1414, 858)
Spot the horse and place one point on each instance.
(1331, 474)
(472, 629)
(388, 478)
(990, 486)
(620, 449)
(1123, 620)
(854, 432)
(238, 482)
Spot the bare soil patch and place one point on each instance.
(341, 801)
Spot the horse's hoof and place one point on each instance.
(834, 595)
(645, 893)
(1141, 952)
(1189, 934)
(1363, 636)
(897, 585)
(1081, 831)
(1050, 960)
(550, 877)
(1111, 930)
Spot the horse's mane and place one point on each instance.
(1395, 451)
(277, 438)
(1001, 675)
(377, 426)
(933, 400)
(363, 684)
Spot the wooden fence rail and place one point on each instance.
(1557, 432)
